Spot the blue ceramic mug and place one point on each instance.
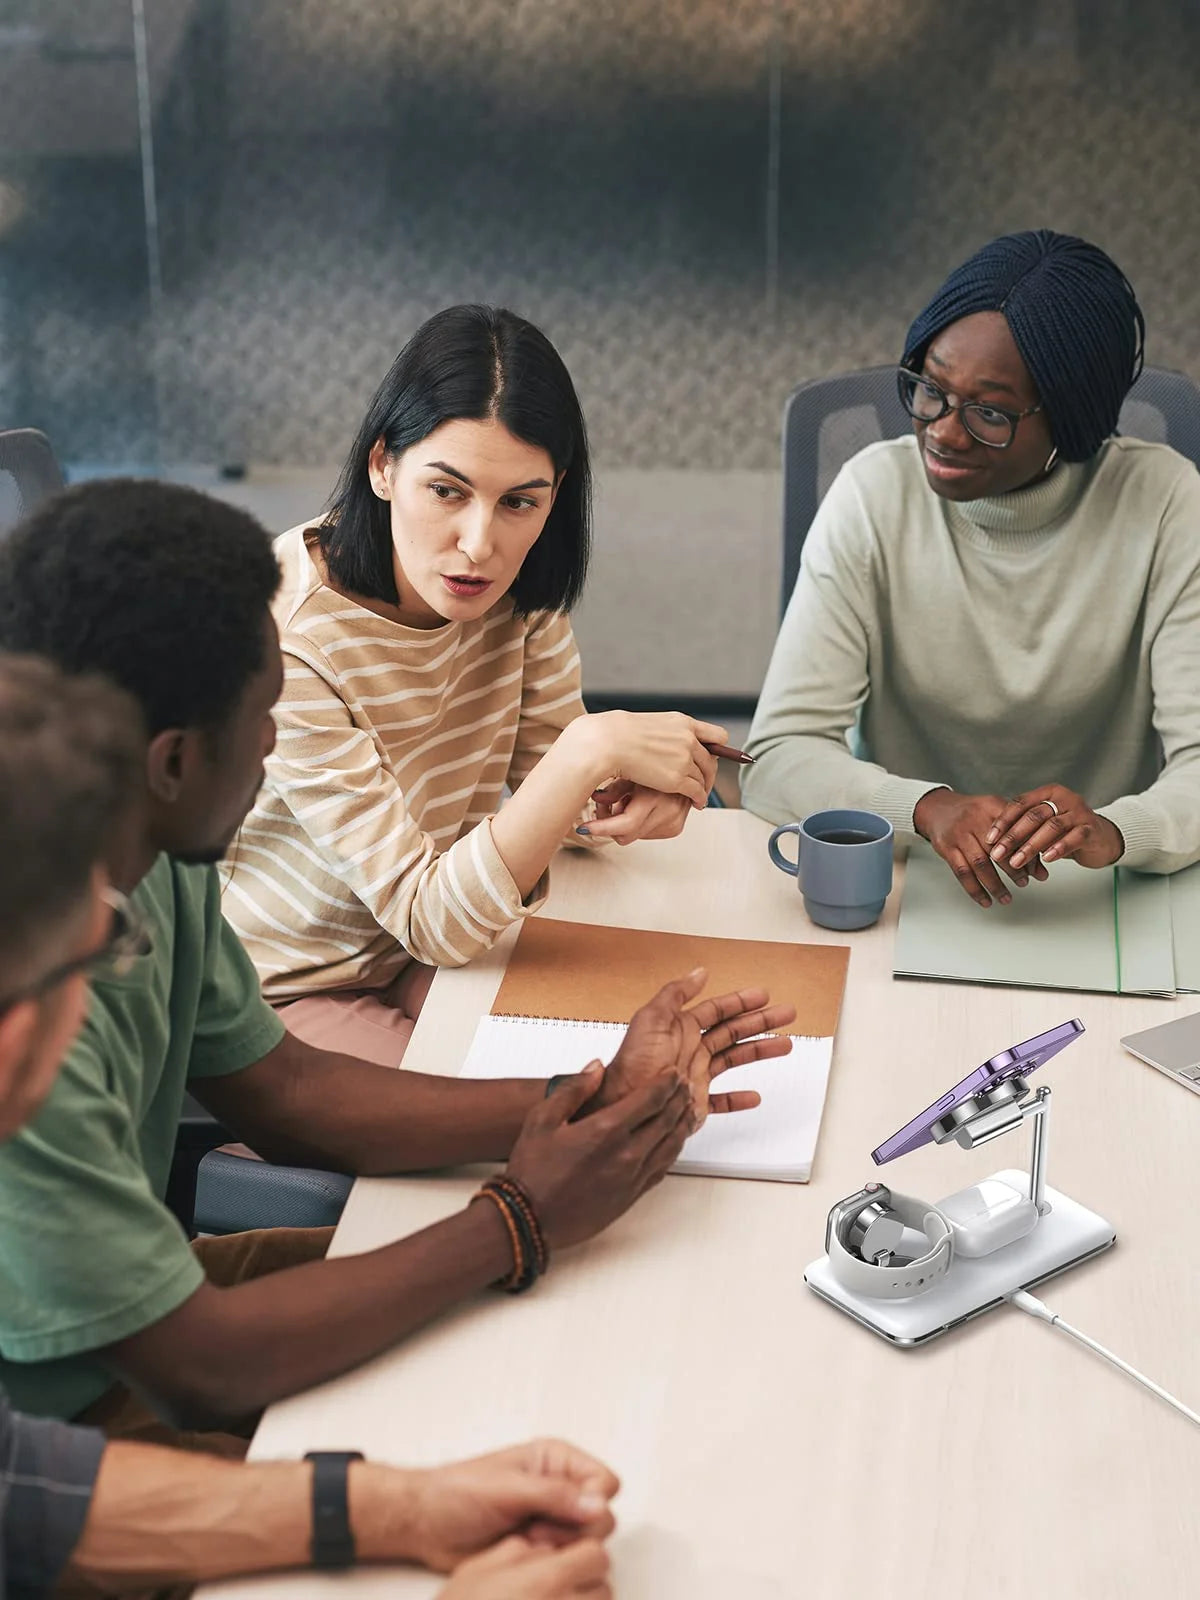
(844, 868)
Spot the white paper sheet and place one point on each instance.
(777, 1140)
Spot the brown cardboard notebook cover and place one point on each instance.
(583, 973)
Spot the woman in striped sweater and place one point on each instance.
(429, 662)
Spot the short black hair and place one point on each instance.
(1075, 320)
(162, 589)
(72, 755)
(473, 362)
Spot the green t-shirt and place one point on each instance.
(89, 1254)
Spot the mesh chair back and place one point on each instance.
(29, 474)
(825, 423)
(831, 419)
(1164, 407)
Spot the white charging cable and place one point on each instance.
(1035, 1308)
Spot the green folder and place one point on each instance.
(1108, 930)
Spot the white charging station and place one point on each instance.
(1008, 1233)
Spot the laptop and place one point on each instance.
(1172, 1047)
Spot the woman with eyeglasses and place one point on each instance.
(994, 639)
(429, 665)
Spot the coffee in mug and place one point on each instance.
(844, 867)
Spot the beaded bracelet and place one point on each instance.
(535, 1239)
(530, 1255)
(528, 1227)
(514, 1283)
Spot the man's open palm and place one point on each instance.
(698, 1042)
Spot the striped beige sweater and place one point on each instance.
(371, 840)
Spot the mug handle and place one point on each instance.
(792, 868)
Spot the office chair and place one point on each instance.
(208, 1190)
(234, 1192)
(214, 1191)
(831, 419)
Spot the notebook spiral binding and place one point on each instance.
(613, 1027)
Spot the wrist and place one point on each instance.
(384, 1512)
(608, 1093)
(514, 1205)
(594, 1103)
(333, 1546)
(590, 748)
(495, 1240)
(926, 808)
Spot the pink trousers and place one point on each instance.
(373, 1024)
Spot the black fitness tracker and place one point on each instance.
(332, 1535)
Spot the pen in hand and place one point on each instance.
(727, 753)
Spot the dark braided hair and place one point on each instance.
(1075, 320)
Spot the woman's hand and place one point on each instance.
(625, 812)
(697, 1044)
(518, 1569)
(957, 826)
(1055, 823)
(546, 1490)
(662, 750)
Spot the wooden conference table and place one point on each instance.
(769, 1447)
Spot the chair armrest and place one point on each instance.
(235, 1193)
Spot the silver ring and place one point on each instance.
(1052, 806)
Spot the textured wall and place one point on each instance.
(703, 201)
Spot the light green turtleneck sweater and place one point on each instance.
(1051, 635)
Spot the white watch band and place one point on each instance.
(896, 1283)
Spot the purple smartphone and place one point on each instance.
(1020, 1061)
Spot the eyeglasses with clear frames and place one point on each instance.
(925, 402)
(128, 939)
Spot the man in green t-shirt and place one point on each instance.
(117, 1517)
(167, 592)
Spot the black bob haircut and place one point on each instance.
(1075, 320)
(473, 362)
(163, 590)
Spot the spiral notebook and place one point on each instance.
(570, 990)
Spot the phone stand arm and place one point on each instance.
(997, 1111)
(1038, 1111)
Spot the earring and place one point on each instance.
(1050, 460)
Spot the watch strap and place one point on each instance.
(332, 1536)
(897, 1283)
